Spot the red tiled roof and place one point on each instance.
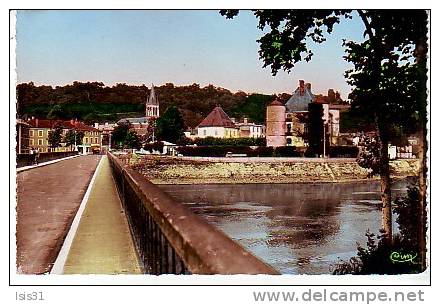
(43, 123)
(217, 118)
(81, 126)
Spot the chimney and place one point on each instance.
(36, 122)
(245, 120)
(309, 86)
(96, 125)
(301, 87)
(233, 120)
(331, 95)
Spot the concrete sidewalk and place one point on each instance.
(102, 243)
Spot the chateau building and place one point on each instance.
(286, 123)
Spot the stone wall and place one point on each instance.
(162, 170)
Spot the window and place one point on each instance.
(86, 140)
(40, 133)
(96, 140)
(40, 142)
(31, 133)
(31, 142)
(204, 132)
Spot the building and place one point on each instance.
(286, 123)
(250, 130)
(139, 125)
(218, 125)
(92, 140)
(106, 130)
(152, 105)
(22, 137)
(39, 135)
(152, 112)
(276, 124)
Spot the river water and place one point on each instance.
(299, 228)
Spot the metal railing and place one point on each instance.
(170, 238)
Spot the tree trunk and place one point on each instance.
(385, 181)
(421, 52)
(422, 192)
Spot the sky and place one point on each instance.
(181, 47)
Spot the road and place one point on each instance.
(47, 200)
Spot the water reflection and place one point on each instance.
(297, 228)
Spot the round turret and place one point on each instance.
(276, 124)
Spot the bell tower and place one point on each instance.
(152, 105)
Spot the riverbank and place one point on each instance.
(175, 170)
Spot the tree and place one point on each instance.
(315, 129)
(383, 75)
(56, 112)
(151, 129)
(170, 125)
(55, 136)
(119, 134)
(73, 137)
(132, 140)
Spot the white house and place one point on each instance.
(218, 125)
(250, 130)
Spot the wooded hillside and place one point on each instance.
(95, 102)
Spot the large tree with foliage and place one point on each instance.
(132, 140)
(170, 126)
(119, 134)
(55, 136)
(387, 83)
(73, 137)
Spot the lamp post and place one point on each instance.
(324, 127)
(76, 148)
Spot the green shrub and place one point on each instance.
(211, 141)
(381, 258)
(343, 151)
(287, 151)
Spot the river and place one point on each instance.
(299, 228)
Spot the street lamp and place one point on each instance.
(74, 131)
(325, 129)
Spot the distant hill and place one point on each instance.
(94, 102)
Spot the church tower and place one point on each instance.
(152, 105)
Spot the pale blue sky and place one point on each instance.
(181, 47)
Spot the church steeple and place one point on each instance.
(152, 105)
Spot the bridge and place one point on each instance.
(95, 215)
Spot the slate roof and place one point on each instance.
(217, 118)
(142, 120)
(152, 98)
(300, 102)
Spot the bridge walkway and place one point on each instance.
(102, 243)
